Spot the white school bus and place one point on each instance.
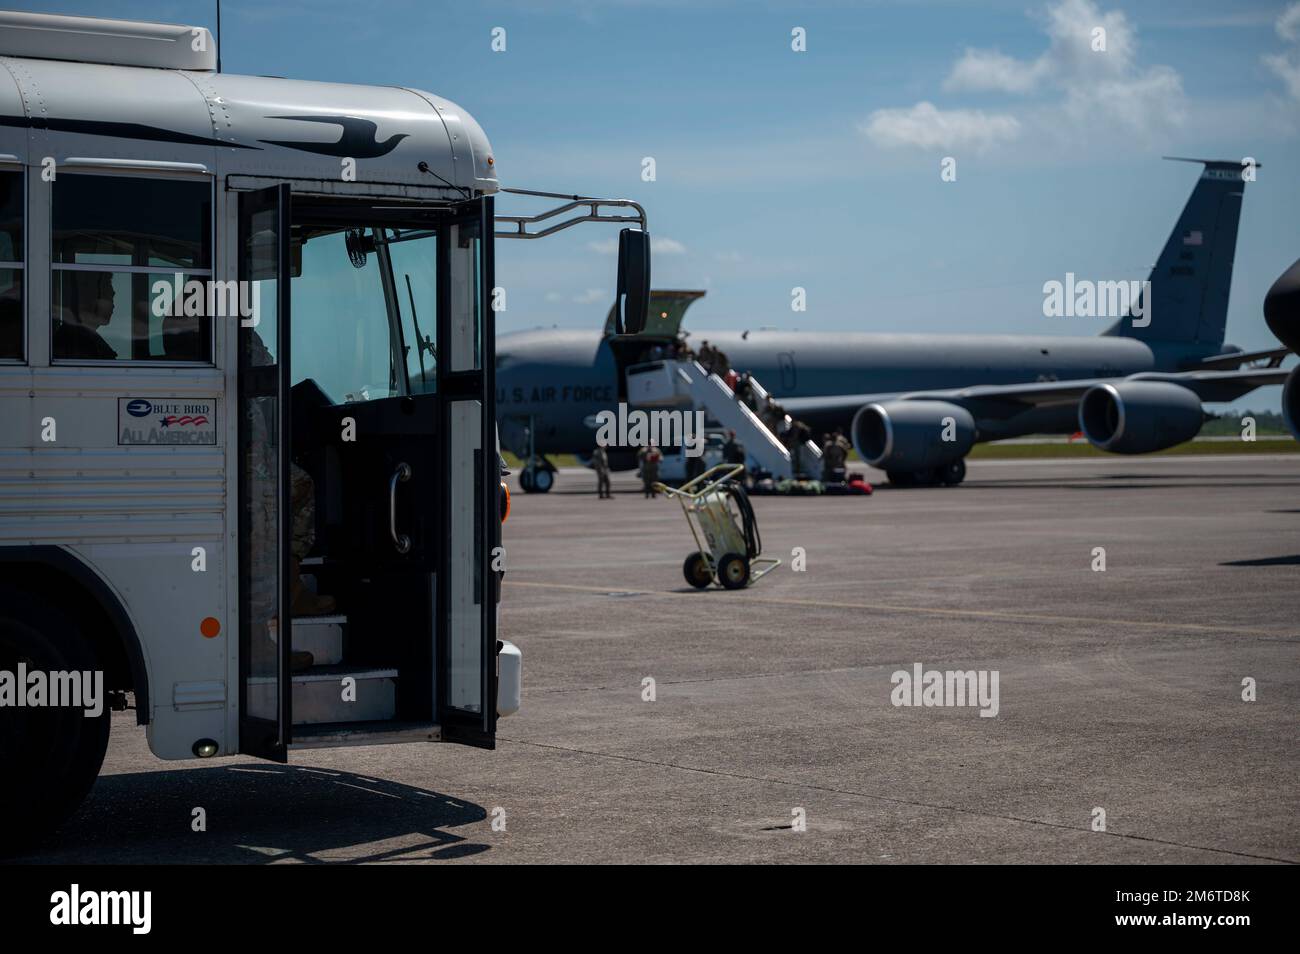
(248, 456)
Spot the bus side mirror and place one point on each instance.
(632, 300)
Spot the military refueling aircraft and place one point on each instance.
(914, 404)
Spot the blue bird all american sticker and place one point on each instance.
(166, 421)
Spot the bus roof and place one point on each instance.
(108, 94)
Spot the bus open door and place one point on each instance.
(369, 474)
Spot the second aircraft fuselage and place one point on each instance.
(562, 378)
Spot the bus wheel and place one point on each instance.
(733, 571)
(51, 754)
(696, 570)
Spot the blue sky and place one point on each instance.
(820, 169)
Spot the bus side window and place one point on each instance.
(11, 266)
(119, 245)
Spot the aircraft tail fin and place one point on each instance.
(667, 309)
(1188, 297)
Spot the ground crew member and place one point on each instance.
(832, 460)
(797, 436)
(650, 458)
(733, 451)
(600, 462)
(844, 444)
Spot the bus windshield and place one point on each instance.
(365, 306)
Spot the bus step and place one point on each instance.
(322, 636)
(323, 694)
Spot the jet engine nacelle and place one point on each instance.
(1137, 417)
(912, 435)
(1291, 402)
(1282, 307)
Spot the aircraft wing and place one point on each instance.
(1212, 386)
(1235, 359)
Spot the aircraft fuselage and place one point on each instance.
(563, 378)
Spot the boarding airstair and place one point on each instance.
(685, 385)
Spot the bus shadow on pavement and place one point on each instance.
(1291, 560)
(260, 813)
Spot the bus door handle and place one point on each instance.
(400, 476)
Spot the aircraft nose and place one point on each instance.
(1282, 307)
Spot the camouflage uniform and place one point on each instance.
(302, 501)
(262, 485)
(832, 459)
(260, 481)
(650, 458)
(600, 461)
(706, 357)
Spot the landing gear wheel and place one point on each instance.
(526, 480)
(696, 570)
(543, 480)
(952, 474)
(901, 478)
(733, 571)
(51, 755)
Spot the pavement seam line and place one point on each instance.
(889, 798)
(934, 611)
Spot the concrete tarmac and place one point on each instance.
(1119, 691)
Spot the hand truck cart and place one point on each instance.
(722, 521)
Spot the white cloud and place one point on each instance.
(1287, 70)
(985, 70)
(591, 296)
(1071, 57)
(1288, 24)
(1069, 62)
(929, 128)
(1287, 65)
(1097, 90)
(1154, 99)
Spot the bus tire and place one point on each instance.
(52, 756)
